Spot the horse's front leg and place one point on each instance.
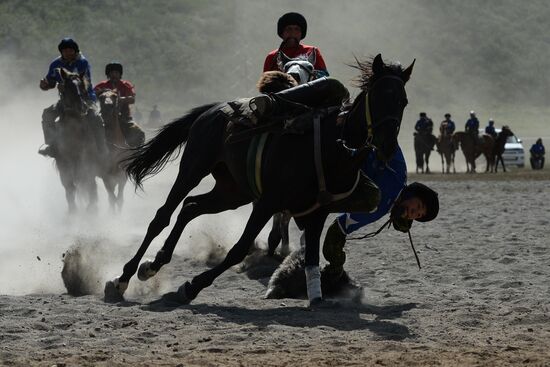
(313, 228)
(261, 213)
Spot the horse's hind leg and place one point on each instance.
(194, 166)
(279, 233)
(225, 195)
(261, 213)
(110, 184)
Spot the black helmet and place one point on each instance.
(68, 43)
(428, 196)
(113, 66)
(422, 114)
(292, 19)
(447, 115)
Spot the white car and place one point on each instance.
(514, 153)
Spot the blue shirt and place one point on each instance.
(537, 149)
(490, 130)
(79, 65)
(390, 179)
(472, 124)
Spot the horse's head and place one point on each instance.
(300, 68)
(379, 107)
(108, 101)
(506, 131)
(73, 92)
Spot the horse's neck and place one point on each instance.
(354, 131)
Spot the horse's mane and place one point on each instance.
(365, 78)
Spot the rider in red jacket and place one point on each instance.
(292, 28)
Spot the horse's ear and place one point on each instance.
(282, 58)
(378, 64)
(62, 72)
(408, 71)
(82, 75)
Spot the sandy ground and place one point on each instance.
(480, 299)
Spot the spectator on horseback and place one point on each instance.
(292, 28)
(126, 95)
(155, 119)
(424, 126)
(490, 129)
(405, 203)
(472, 127)
(447, 126)
(537, 155)
(74, 61)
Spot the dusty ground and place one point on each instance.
(480, 299)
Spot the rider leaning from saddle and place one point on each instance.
(472, 127)
(292, 28)
(72, 60)
(126, 95)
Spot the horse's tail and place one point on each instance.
(151, 157)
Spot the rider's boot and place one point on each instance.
(333, 251)
(50, 134)
(322, 92)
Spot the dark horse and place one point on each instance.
(498, 148)
(78, 158)
(447, 151)
(423, 146)
(472, 149)
(291, 177)
(114, 175)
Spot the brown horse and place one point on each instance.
(447, 151)
(113, 174)
(423, 146)
(472, 149)
(498, 148)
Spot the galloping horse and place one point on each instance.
(423, 146)
(447, 151)
(472, 151)
(498, 148)
(78, 157)
(291, 177)
(114, 175)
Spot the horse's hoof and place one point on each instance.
(114, 291)
(179, 297)
(320, 303)
(145, 272)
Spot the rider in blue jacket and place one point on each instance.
(490, 129)
(72, 60)
(537, 153)
(405, 202)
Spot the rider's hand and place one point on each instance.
(44, 85)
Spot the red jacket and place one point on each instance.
(270, 63)
(124, 89)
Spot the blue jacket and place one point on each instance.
(537, 149)
(472, 124)
(391, 179)
(424, 125)
(79, 65)
(490, 130)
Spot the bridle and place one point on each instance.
(371, 126)
(83, 108)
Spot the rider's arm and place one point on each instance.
(320, 66)
(270, 63)
(51, 78)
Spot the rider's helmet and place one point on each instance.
(539, 141)
(422, 114)
(447, 115)
(491, 121)
(472, 113)
(113, 66)
(68, 43)
(428, 197)
(292, 19)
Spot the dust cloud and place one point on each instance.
(36, 228)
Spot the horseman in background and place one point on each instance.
(292, 28)
(472, 127)
(446, 129)
(126, 95)
(72, 60)
(424, 126)
(490, 129)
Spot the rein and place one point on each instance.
(387, 224)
